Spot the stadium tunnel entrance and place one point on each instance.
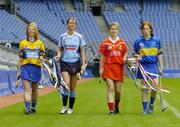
(96, 10)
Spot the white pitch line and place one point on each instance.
(174, 110)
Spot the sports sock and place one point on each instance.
(111, 106)
(64, 99)
(145, 104)
(72, 99)
(27, 105)
(33, 104)
(152, 101)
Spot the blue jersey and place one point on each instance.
(148, 49)
(70, 45)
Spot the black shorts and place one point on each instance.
(71, 68)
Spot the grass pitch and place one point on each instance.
(91, 109)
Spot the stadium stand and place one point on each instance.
(128, 5)
(10, 27)
(51, 17)
(55, 5)
(129, 24)
(156, 5)
(52, 22)
(165, 23)
(78, 5)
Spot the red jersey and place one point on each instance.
(113, 52)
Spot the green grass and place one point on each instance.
(91, 109)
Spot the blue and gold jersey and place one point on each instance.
(31, 52)
(148, 49)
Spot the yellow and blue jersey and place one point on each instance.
(148, 49)
(31, 52)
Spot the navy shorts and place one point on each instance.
(71, 68)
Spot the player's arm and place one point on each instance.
(101, 65)
(160, 59)
(59, 53)
(125, 54)
(83, 59)
(136, 51)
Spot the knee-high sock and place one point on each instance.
(151, 104)
(72, 99)
(33, 104)
(65, 98)
(145, 105)
(111, 106)
(27, 105)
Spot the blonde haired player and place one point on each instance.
(113, 52)
(31, 52)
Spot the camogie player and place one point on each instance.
(71, 54)
(113, 52)
(31, 52)
(149, 53)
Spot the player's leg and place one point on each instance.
(110, 97)
(72, 98)
(117, 95)
(34, 96)
(27, 96)
(66, 78)
(152, 99)
(145, 91)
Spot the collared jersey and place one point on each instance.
(148, 49)
(113, 52)
(70, 45)
(30, 52)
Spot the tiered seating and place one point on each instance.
(78, 5)
(55, 5)
(86, 25)
(10, 27)
(47, 22)
(129, 24)
(171, 56)
(52, 23)
(129, 5)
(31, 5)
(165, 24)
(156, 5)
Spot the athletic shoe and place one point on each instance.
(33, 110)
(69, 111)
(27, 111)
(150, 110)
(144, 113)
(111, 113)
(63, 110)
